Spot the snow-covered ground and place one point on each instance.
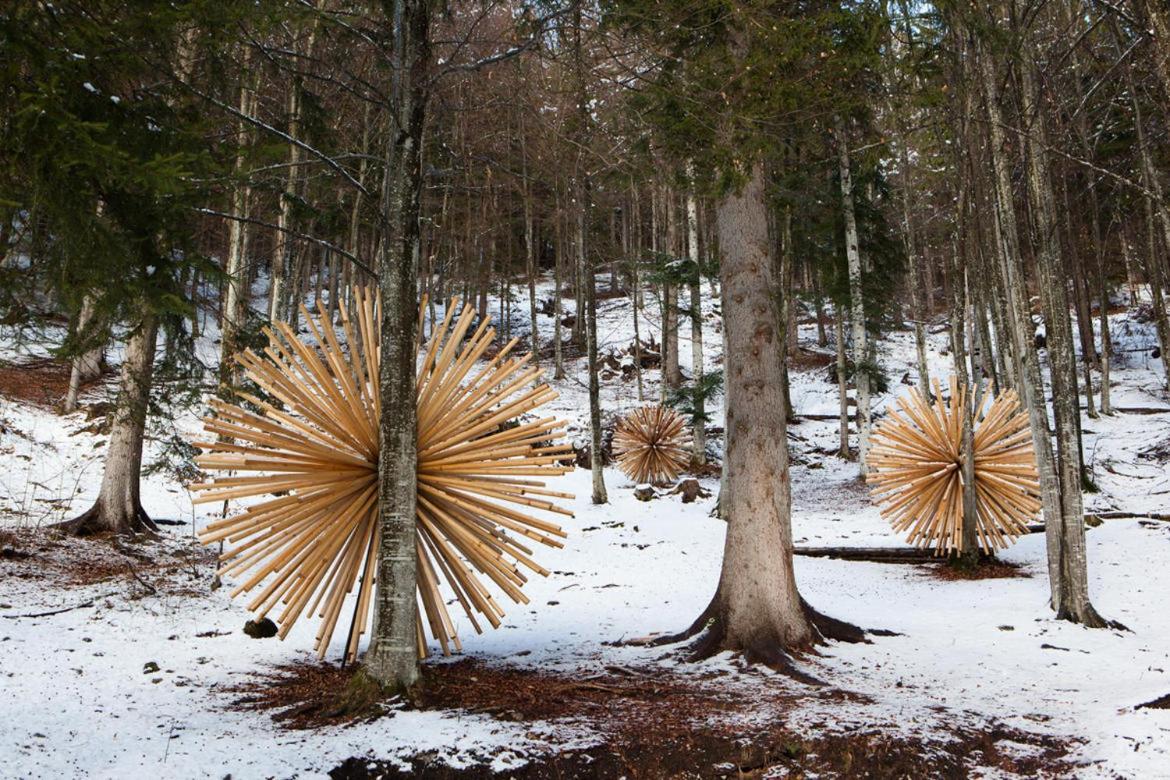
(77, 702)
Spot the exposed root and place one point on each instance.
(1089, 617)
(94, 521)
(839, 630)
(709, 638)
(687, 633)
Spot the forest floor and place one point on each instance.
(119, 659)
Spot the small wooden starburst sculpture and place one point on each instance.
(917, 476)
(652, 444)
(309, 545)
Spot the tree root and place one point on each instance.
(93, 521)
(1089, 617)
(707, 637)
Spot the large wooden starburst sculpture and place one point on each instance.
(315, 443)
(917, 476)
(652, 444)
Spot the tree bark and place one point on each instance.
(633, 256)
(558, 312)
(1071, 592)
(756, 609)
(671, 372)
(392, 659)
(842, 383)
(87, 364)
(856, 301)
(118, 508)
(583, 195)
(699, 423)
(235, 307)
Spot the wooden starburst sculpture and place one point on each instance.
(652, 444)
(316, 538)
(917, 476)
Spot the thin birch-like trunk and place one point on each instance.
(857, 301)
(699, 427)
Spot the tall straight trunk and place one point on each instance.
(1018, 322)
(86, 366)
(699, 426)
(284, 283)
(1131, 272)
(392, 659)
(1156, 213)
(354, 239)
(819, 305)
(236, 298)
(587, 273)
(1083, 306)
(530, 254)
(756, 609)
(118, 508)
(1072, 594)
(784, 275)
(671, 372)
(558, 313)
(1060, 480)
(1106, 351)
(856, 300)
(633, 257)
(842, 384)
(961, 254)
(968, 552)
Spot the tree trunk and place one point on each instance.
(671, 372)
(968, 553)
(530, 256)
(558, 312)
(1060, 483)
(281, 294)
(856, 301)
(1155, 212)
(633, 255)
(87, 364)
(587, 276)
(235, 307)
(842, 383)
(819, 305)
(1071, 594)
(699, 421)
(757, 609)
(118, 508)
(392, 659)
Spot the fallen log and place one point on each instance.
(871, 554)
(1130, 516)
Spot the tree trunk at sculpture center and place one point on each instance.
(757, 609)
(392, 659)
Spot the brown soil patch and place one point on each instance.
(987, 570)
(807, 359)
(149, 567)
(655, 723)
(42, 382)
